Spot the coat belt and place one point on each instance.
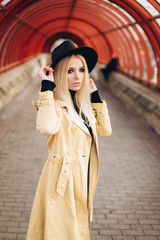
(63, 177)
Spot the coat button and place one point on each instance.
(73, 129)
(95, 112)
(69, 153)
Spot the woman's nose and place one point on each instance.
(77, 74)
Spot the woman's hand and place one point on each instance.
(43, 73)
(93, 87)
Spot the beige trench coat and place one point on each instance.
(62, 209)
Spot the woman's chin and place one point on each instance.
(76, 88)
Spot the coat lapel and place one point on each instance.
(75, 118)
(79, 122)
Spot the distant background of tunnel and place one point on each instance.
(128, 27)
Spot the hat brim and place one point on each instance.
(89, 54)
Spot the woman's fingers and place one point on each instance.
(46, 73)
(92, 85)
(47, 69)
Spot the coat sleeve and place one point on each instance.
(103, 124)
(47, 122)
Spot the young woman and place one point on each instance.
(70, 114)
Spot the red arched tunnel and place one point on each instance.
(129, 28)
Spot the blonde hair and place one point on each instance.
(82, 96)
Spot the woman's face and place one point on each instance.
(75, 74)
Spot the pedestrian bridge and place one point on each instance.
(126, 204)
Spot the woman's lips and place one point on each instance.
(77, 83)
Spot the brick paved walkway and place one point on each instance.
(127, 200)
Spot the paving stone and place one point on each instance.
(102, 221)
(16, 230)
(140, 226)
(132, 232)
(98, 237)
(110, 232)
(21, 236)
(156, 227)
(146, 238)
(152, 232)
(148, 221)
(94, 232)
(128, 221)
(119, 226)
(137, 216)
(9, 213)
(3, 229)
(154, 216)
(123, 238)
(8, 236)
(97, 226)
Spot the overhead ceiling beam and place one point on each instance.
(70, 14)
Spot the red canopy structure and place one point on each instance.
(129, 28)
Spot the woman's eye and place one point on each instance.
(70, 71)
(82, 70)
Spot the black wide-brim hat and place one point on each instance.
(67, 48)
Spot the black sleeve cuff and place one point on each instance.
(47, 85)
(95, 98)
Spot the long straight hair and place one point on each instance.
(82, 96)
